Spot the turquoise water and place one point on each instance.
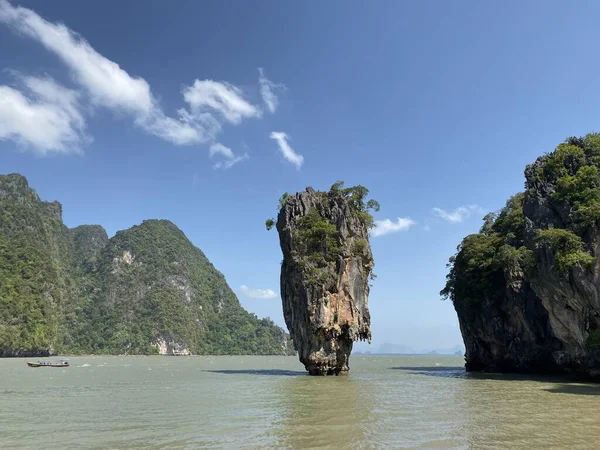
(268, 402)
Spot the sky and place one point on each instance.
(204, 113)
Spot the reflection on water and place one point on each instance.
(269, 403)
(317, 412)
(261, 372)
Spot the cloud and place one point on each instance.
(47, 118)
(231, 159)
(111, 87)
(267, 91)
(230, 162)
(386, 226)
(257, 293)
(221, 149)
(459, 214)
(287, 151)
(222, 97)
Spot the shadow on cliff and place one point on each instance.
(576, 389)
(271, 372)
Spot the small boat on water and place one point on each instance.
(49, 363)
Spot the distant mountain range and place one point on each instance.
(399, 349)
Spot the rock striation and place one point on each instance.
(526, 288)
(325, 272)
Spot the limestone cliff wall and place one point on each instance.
(544, 318)
(325, 305)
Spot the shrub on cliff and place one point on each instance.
(567, 247)
(318, 243)
(477, 270)
(572, 169)
(569, 177)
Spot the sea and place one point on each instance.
(268, 402)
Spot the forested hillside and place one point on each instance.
(146, 290)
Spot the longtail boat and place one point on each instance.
(47, 363)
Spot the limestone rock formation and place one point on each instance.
(526, 288)
(327, 263)
(145, 290)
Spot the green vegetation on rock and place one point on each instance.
(593, 342)
(318, 244)
(572, 169)
(477, 270)
(568, 177)
(76, 291)
(567, 248)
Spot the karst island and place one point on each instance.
(325, 273)
(526, 287)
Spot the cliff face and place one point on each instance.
(34, 263)
(146, 290)
(325, 272)
(526, 289)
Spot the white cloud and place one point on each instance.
(220, 148)
(287, 151)
(227, 153)
(257, 293)
(386, 226)
(459, 214)
(267, 91)
(110, 86)
(230, 162)
(48, 119)
(223, 97)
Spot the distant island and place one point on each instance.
(399, 349)
(147, 290)
(526, 287)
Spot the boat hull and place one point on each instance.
(30, 364)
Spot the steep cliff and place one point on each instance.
(327, 263)
(34, 269)
(161, 293)
(146, 290)
(526, 288)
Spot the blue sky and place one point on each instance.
(435, 106)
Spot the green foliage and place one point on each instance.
(477, 271)
(317, 240)
(282, 200)
(76, 291)
(510, 221)
(360, 245)
(509, 258)
(356, 196)
(170, 288)
(571, 175)
(28, 285)
(573, 169)
(269, 223)
(337, 186)
(564, 159)
(593, 342)
(567, 247)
